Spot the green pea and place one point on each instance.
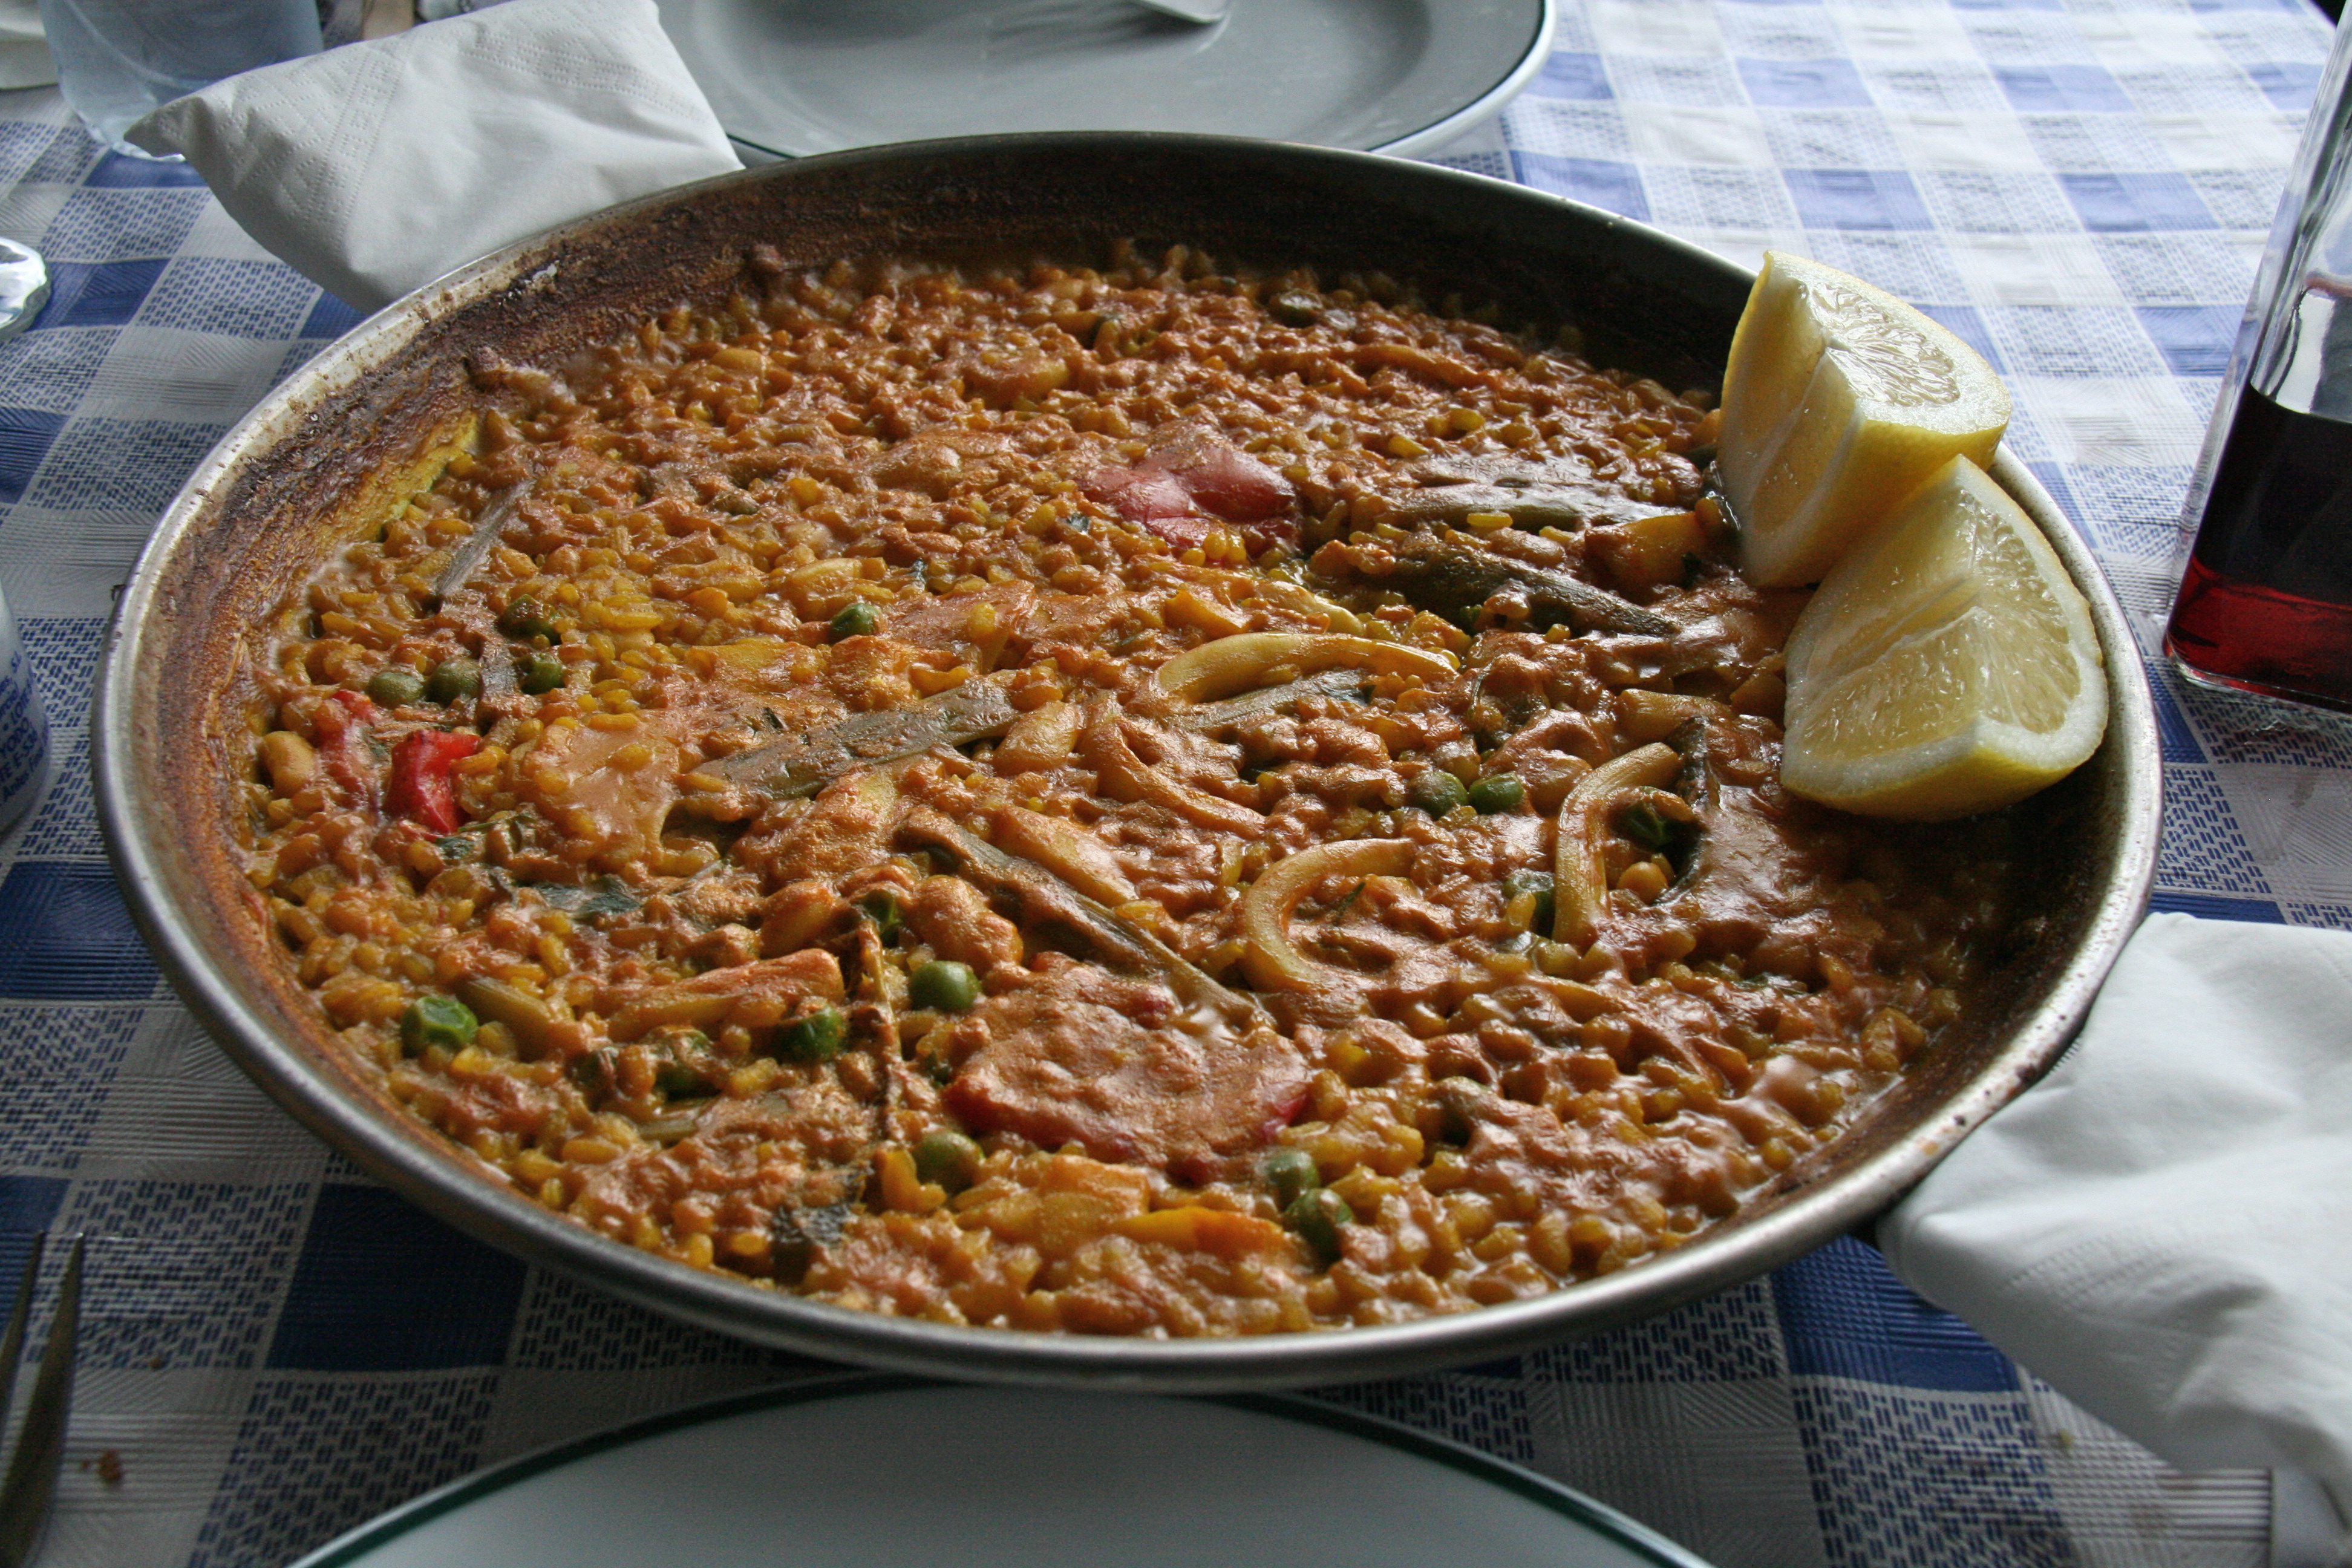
(1290, 1172)
(1527, 881)
(1436, 792)
(525, 619)
(453, 680)
(1316, 1215)
(815, 1037)
(537, 673)
(1501, 793)
(856, 620)
(395, 687)
(1538, 883)
(441, 1021)
(950, 1158)
(943, 984)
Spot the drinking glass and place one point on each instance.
(2265, 603)
(118, 59)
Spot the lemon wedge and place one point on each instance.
(1945, 668)
(1839, 400)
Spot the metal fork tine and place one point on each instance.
(11, 1345)
(32, 1480)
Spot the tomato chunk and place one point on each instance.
(421, 787)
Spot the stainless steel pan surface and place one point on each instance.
(255, 516)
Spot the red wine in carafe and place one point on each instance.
(2267, 602)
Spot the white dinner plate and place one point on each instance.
(798, 77)
(885, 1469)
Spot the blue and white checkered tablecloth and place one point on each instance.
(277, 1349)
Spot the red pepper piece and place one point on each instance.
(421, 787)
(342, 723)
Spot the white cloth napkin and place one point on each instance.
(376, 167)
(2162, 1227)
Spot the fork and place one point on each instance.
(31, 1483)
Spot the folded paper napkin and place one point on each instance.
(376, 167)
(2162, 1227)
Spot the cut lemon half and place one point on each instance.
(1947, 667)
(1839, 400)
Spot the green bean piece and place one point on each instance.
(394, 686)
(1538, 883)
(950, 1158)
(1646, 825)
(1501, 793)
(815, 1037)
(798, 1234)
(943, 984)
(538, 673)
(453, 680)
(679, 1081)
(1436, 791)
(1316, 1214)
(856, 620)
(1291, 1172)
(881, 907)
(525, 620)
(441, 1021)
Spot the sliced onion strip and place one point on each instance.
(1268, 958)
(1125, 777)
(1241, 663)
(1579, 875)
